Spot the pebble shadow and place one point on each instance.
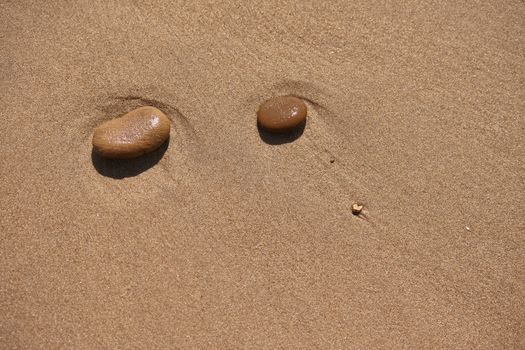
(122, 168)
(281, 138)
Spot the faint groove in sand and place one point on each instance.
(326, 142)
(170, 109)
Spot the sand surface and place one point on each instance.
(229, 239)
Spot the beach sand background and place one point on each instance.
(226, 238)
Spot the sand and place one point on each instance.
(228, 238)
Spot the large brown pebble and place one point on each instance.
(281, 114)
(138, 132)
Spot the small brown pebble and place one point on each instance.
(138, 132)
(281, 114)
(356, 209)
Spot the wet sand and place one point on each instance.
(228, 237)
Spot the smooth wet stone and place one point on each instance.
(281, 114)
(136, 133)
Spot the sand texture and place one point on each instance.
(228, 237)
